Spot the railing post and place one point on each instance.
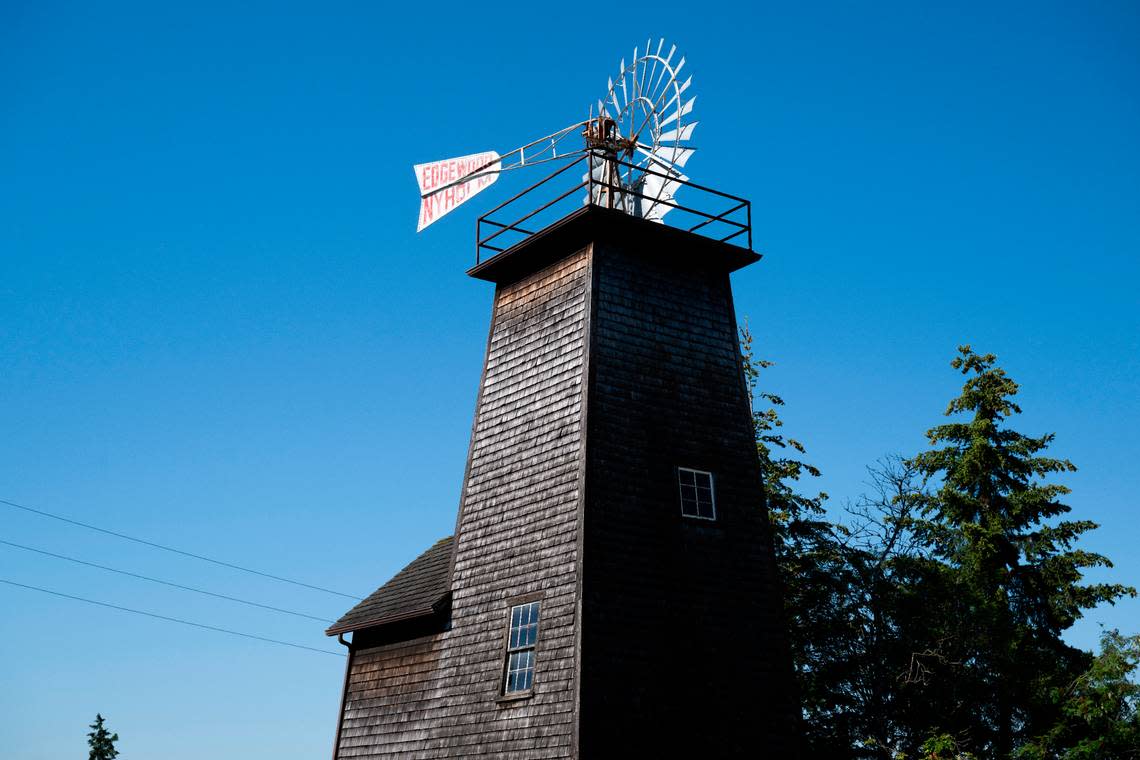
(749, 225)
(589, 178)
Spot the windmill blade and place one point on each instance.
(633, 73)
(677, 156)
(658, 187)
(664, 67)
(624, 92)
(656, 100)
(667, 157)
(648, 80)
(682, 134)
(680, 91)
(685, 110)
(651, 186)
(660, 192)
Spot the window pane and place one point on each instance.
(705, 502)
(520, 648)
(697, 498)
(524, 625)
(520, 671)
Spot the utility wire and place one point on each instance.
(172, 619)
(165, 583)
(172, 549)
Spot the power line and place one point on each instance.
(175, 551)
(165, 583)
(171, 619)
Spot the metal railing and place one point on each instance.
(501, 235)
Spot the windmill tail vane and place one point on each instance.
(447, 184)
(641, 127)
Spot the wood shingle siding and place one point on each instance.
(436, 694)
(681, 617)
(612, 361)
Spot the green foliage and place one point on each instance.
(936, 747)
(1015, 569)
(989, 515)
(944, 747)
(928, 623)
(1099, 710)
(101, 741)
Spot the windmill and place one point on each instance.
(611, 539)
(637, 138)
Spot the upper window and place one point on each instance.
(696, 493)
(520, 648)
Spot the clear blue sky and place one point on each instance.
(219, 330)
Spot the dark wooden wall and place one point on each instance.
(683, 644)
(659, 634)
(435, 695)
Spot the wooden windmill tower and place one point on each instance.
(610, 587)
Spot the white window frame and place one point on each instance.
(532, 647)
(712, 493)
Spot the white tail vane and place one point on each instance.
(447, 184)
(443, 187)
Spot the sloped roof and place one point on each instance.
(414, 591)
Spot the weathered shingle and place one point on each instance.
(416, 590)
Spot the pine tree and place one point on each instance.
(1017, 577)
(101, 741)
(1100, 710)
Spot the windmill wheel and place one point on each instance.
(654, 124)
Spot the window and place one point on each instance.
(520, 648)
(696, 494)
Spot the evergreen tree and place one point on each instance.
(101, 741)
(1100, 710)
(1016, 577)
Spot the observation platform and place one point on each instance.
(711, 225)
